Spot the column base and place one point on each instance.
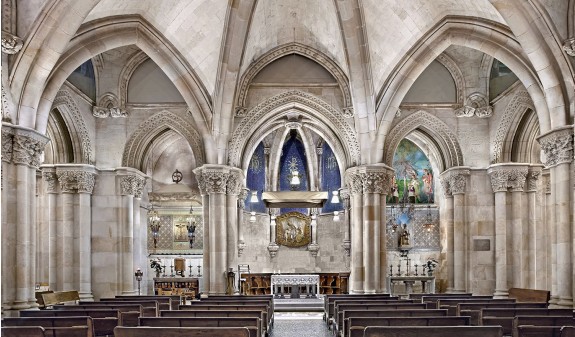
(565, 302)
(504, 293)
(458, 291)
(356, 292)
(87, 297)
(130, 292)
(19, 305)
(553, 300)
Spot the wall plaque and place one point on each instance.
(481, 245)
(293, 229)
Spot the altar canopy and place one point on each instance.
(285, 199)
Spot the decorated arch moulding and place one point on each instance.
(133, 63)
(268, 110)
(288, 49)
(455, 72)
(516, 107)
(64, 98)
(452, 153)
(139, 140)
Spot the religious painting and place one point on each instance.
(180, 229)
(413, 180)
(293, 229)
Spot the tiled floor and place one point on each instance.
(299, 324)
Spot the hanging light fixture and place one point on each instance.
(335, 197)
(335, 215)
(428, 225)
(154, 220)
(254, 196)
(294, 180)
(392, 222)
(253, 199)
(191, 227)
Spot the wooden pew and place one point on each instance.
(218, 313)
(22, 331)
(60, 297)
(52, 322)
(419, 296)
(268, 303)
(330, 299)
(433, 331)
(332, 305)
(354, 326)
(146, 331)
(538, 331)
(568, 331)
(265, 309)
(542, 321)
(40, 299)
(504, 317)
(432, 301)
(388, 313)
(149, 308)
(529, 295)
(252, 323)
(341, 308)
(474, 309)
(164, 302)
(105, 320)
(129, 313)
(451, 304)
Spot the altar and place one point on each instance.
(280, 282)
(427, 283)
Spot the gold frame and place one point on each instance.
(293, 229)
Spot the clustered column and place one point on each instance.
(448, 225)
(456, 179)
(535, 235)
(220, 185)
(558, 148)
(21, 150)
(368, 187)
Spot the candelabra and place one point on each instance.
(190, 267)
(139, 275)
(163, 271)
(416, 265)
(199, 271)
(399, 269)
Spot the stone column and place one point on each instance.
(21, 150)
(234, 189)
(213, 182)
(345, 198)
(356, 277)
(549, 226)
(131, 186)
(48, 255)
(375, 182)
(448, 216)
(498, 177)
(244, 192)
(517, 253)
(536, 236)
(558, 148)
(457, 183)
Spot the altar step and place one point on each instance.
(298, 305)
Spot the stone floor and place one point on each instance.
(299, 324)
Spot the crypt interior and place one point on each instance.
(414, 137)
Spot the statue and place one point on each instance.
(404, 237)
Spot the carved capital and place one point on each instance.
(76, 181)
(313, 249)
(533, 176)
(241, 247)
(7, 144)
(557, 146)
(516, 179)
(569, 46)
(346, 245)
(273, 249)
(219, 179)
(11, 44)
(25, 146)
(354, 183)
(457, 182)
(446, 187)
(234, 184)
(498, 180)
(51, 180)
(369, 179)
(454, 180)
(348, 112)
(375, 182)
(132, 185)
(508, 176)
(114, 112)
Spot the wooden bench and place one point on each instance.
(474, 309)
(164, 302)
(218, 313)
(332, 305)
(252, 323)
(504, 317)
(542, 321)
(354, 326)
(149, 308)
(329, 299)
(529, 295)
(145, 331)
(60, 297)
(105, 320)
(267, 319)
(388, 313)
(261, 302)
(48, 323)
(22, 331)
(420, 296)
(568, 331)
(538, 331)
(129, 313)
(341, 308)
(433, 301)
(433, 331)
(451, 304)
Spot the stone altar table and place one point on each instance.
(409, 281)
(278, 281)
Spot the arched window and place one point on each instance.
(330, 177)
(293, 163)
(256, 179)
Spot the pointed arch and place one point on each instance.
(289, 49)
(83, 150)
(310, 107)
(137, 145)
(127, 71)
(421, 120)
(456, 74)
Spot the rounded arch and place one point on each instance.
(278, 106)
(445, 140)
(503, 141)
(137, 145)
(79, 136)
(94, 38)
(288, 49)
(486, 36)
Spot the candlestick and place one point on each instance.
(190, 267)
(199, 271)
(172, 270)
(390, 270)
(416, 269)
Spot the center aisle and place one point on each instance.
(299, 324)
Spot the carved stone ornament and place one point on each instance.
(532, 179)
(516, 179)
(76, 181)
(375, 182)
(11, 44)
(446, 187)
(234, 184)
(346, 245)
(242, 198)
(51, 180)
(241, 247)
(132, 185)
(569, 46)
(498, 180)
(348, 112)
(313, 249)
(273, 249)
(476, 105)
(558, 147)
(5, 107)
(293, 229)
(113, 112)
(7, 144)
(369, 179)
(293, 125)
(457, 183)
(240, 111)
(27, 147)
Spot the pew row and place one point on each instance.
(354, 326)
(22, 331)
(339, 310)
(474, 309)
(37, 331)
(557, 321)
(540, 331)
(252, 323)
(264, 328)
(164, 302)
(433, 331)
(504, 317)
(52, 325)
(145, 331)
(329, 299)
(129, 313)
(149, 308)
(104, 320)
